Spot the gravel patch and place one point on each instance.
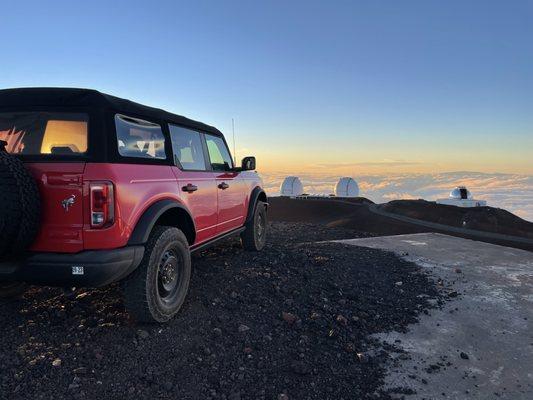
(291, 322)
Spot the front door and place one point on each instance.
(195, 180)
(231, 188)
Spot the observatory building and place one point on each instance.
(346, 187)
(461, 197)
(291, 187)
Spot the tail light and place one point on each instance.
(102, 204)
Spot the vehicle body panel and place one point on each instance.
(136, 189)
(61, 223)
(232, 201)
(214, 211)
(202, 203)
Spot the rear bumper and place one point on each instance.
(92, 268)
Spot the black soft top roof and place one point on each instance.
(63, 97)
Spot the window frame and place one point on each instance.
(114, 154)
(175, 160)
(232, 169)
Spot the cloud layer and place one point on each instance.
(509, 191)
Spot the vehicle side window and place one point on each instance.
(139, 138)
(187, 148)
(218, 153)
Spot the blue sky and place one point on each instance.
(414, 85)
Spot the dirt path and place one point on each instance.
(511, 240)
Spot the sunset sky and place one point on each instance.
(346, 86)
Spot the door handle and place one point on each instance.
(189, 188)
(223, 186)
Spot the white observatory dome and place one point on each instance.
(291, 186)
(460, 193)
(346, 187)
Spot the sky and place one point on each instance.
(317, 88)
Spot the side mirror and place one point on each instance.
(248, 164)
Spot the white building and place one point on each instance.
(291, 187)
(346, 187)
(461, 197)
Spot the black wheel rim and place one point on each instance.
(261, 228)
(169, 276)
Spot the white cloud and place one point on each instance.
(383, 163)
(512, 192)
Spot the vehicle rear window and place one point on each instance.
(34, 133)
(139, 138)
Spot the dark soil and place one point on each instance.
(487, 219)
(355, 216)
(292, 320)
(350, 215)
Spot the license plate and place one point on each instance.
(77, 270)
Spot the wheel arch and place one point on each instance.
(164, 212)
(258, 194)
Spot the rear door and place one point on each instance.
(61, 188)
(195, 180)
(231, 188)
(52, 146)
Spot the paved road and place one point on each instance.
(491, 321)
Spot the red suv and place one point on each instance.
(95, 189)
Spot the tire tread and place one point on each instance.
(248, 238)
(20, 209)
(136, 287)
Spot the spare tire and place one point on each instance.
(20, 206)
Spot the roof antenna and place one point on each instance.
(234, 152)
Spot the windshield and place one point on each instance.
(34, 133)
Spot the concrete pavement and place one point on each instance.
(480, 344)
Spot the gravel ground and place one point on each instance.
(289, 323)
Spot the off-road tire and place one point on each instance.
(143, 290)
(9, 290)
(255, 234)
(20, 206)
